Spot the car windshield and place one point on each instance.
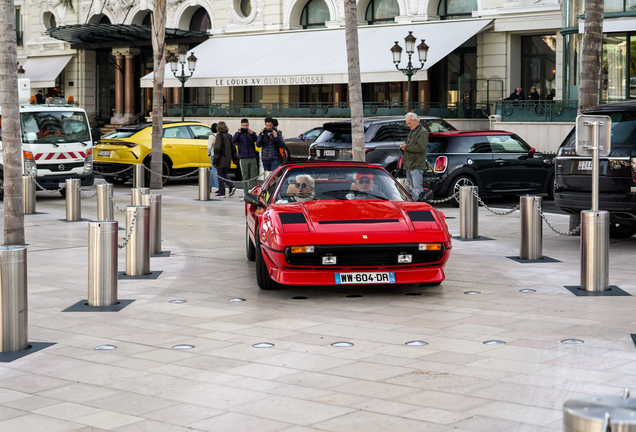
(46, 127)
(334, 183)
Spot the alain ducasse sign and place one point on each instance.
(280, 80)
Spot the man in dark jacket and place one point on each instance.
(270, 141)
(414, 160)
(223, 158)
(245, 139)
(516, 95)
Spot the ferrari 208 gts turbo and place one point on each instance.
(342, 223)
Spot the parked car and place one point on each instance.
(342, 223)
(184, 148)
(499, 163)
(383, 136)
(298, 148)
(617, 172)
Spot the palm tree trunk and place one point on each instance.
(159, 54)
(11, 137)
(591, 55)
(355, 84)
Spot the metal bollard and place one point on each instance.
(138, 176)
(73, 200)
(468, 216)
(102, 263)
(137, 249)
(154, 202)
(600, 414)
(204, 184)
(13, 299)
(135, 195)
(531, 245)
(594, 250)
(105, 208)
(28, 194)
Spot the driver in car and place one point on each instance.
(305, 186)
(363, 187)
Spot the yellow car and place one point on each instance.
(185, 148)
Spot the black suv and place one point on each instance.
(617, 172)
(383, 136)
(500, 163)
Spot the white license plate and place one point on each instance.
(103, 153)
(328, 152)
(365, 278)
(585, 165)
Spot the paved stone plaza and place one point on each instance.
(302, 384)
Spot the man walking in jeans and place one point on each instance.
(245, 139)
(414, 161)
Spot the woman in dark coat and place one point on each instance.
(223, 158)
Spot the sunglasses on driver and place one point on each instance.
(302, 185)
(364, 180)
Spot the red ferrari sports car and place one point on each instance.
(342, 223)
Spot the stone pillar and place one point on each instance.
(119, 89)
(339, 93)
(130, 86)
(424, 91)
(176, 95)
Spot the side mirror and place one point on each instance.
(531, 152)
(252, 199)
(301, 136)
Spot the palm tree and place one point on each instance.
(591, 55)
(159, 55)
(355, 84)
(11, 137)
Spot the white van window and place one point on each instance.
(46, 127)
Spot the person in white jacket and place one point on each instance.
(214, 181)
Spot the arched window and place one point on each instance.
(104, 20)
(382, 11)
(454, 9)
(200, 21)
(245, 7)
(147, 21)
(315, 14)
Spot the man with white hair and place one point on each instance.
(305, 186)
(414, 160)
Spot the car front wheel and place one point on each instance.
(265, 282)
(460, 181)
(622, 230)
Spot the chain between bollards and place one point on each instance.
(112, 199)
(130, 231)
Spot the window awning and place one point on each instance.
(317, 56)
(42, 71)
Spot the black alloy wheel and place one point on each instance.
(462, 180)
(265, 282)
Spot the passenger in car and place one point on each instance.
(305, 185)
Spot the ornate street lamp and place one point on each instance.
(21, 72)
(174, 66)
(409, 70)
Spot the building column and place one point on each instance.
(124, 84)
(176, 95)
(119, 89)
(339, 93)
(424, 91)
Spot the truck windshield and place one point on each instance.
(52, 127)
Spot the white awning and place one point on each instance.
(42, 71)
(317, 56)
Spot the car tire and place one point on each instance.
(287, 156)
(462, 180)
(250, 249)
(265, 282)
(551, 186)
(166, 170)
(622, 230)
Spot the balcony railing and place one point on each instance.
(19, 37)
(329, 110)
(538, 110)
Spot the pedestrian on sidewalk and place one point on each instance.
(414, 149)
(214, 181)
(223, 158)
(270, 141)
(245, 139)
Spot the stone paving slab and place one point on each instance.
(302, 384)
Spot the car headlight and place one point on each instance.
(88, 162)
(405, 258)
(329, 260)
(30, 168)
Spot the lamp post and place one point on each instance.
(174, 65)
(409, 70)
(21, 72)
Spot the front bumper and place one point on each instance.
(108, 168)
(619, 204)
(408, 274)
(52, 182)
